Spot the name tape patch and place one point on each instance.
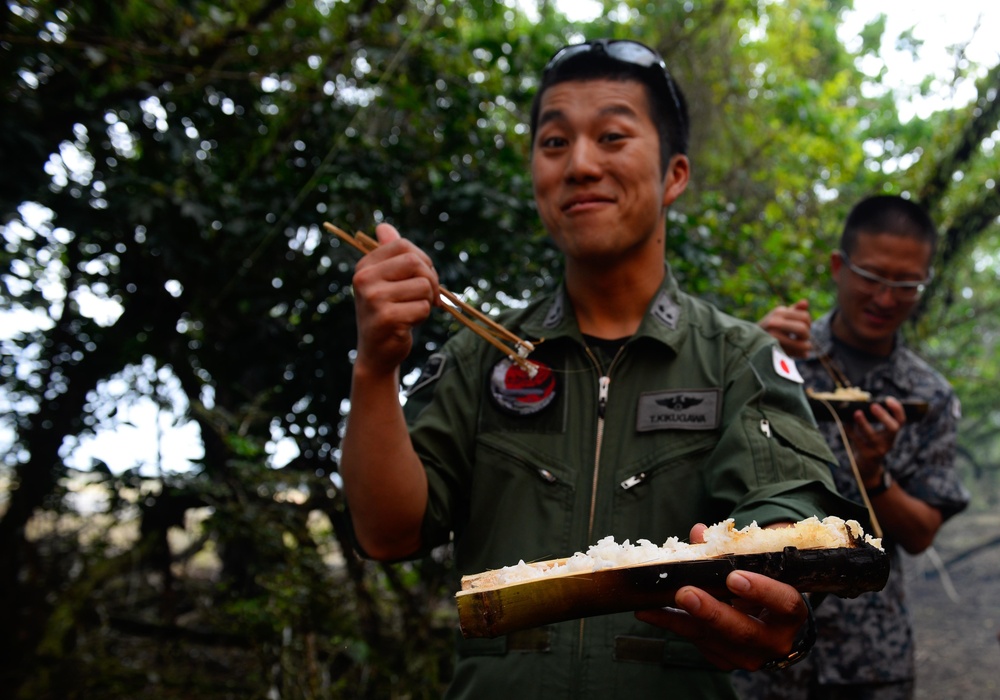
(687, 409)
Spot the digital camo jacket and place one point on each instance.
(869, 639)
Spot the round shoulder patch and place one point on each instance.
(514, 391)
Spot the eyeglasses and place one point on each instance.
(908, 290)
(632, 53)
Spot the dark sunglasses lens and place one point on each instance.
(636, 54)
(625, 51)
(567, 53)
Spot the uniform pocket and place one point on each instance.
(799, 445)
(649, 489)
(520, 507)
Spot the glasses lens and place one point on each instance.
(871, 283)
(637, 54)
(565, 53)
(623, 50)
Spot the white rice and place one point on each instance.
(721, 538)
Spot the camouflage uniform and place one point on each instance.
(867, 642)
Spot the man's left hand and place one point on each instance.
(871, 440)
(759, 626)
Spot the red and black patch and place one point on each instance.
(516, 392)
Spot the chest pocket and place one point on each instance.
(521, 505)
(656, 494)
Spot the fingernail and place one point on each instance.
(688, 600)
(738, 583)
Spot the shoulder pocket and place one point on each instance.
(800, 435)
(791, 447)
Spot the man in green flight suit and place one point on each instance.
(651, 414)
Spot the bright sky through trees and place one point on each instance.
(937, 25)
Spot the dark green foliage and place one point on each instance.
(187, 153)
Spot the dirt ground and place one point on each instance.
(957, 617)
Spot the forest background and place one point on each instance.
(167, 168)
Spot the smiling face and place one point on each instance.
(869, 314)
(598, 181)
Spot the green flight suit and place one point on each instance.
(691, 422)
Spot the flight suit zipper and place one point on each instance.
(603, 385)
(603, 390)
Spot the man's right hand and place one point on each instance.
(395, 288)
(791, 326)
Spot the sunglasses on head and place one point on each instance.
(625, 51)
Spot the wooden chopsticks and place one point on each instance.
(840, 380)
(876, 525)
(490, 331)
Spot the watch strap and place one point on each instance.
(802, 645)
(882, 486)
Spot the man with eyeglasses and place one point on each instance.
(865, 645)
(650, 414)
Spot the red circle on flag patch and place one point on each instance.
(513, 390)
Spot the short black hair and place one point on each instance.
(889, 214)
(668, 106)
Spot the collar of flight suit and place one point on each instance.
(667, 316)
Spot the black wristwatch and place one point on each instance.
(803, 644)
(882, 486)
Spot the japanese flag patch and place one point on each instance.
(785, 367)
